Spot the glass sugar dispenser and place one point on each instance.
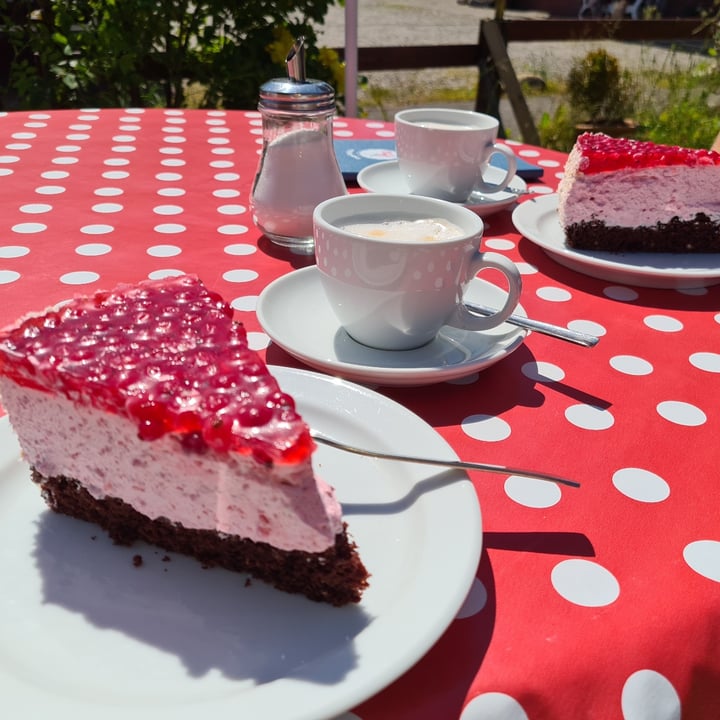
(298, 168)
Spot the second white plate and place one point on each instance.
(385, 177)
(294, 312)
(537, 220)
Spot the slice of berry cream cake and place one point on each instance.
(636, 196)
(143, 410)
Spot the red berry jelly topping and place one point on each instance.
(168, 355)
(602, 153)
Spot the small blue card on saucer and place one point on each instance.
(354, 155)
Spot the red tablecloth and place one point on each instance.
(602, 602)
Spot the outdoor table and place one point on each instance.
(601, 601)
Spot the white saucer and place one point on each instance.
(385, 177)
(293, 311)
(537, 220)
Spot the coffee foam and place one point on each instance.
(411, 231)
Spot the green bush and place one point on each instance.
(104, 53)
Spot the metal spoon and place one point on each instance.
(556, 331)
(456, 464)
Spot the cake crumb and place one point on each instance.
(166, 558)
(137, 560)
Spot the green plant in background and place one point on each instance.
(599, 91)
(148, 52)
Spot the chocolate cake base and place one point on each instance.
(335, 576)
(701, 235)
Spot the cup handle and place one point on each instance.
(482, 186)
(465, 319)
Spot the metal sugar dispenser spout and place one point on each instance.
(298, 168)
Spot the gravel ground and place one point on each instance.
(447, 22)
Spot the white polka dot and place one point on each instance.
(240, 249)
(36, 208)
(108, 191)
(19, 146)
(232, 229)
(543, 372)
(64, 161)
(5, 159)
(641, 485)
(663, 323)
(4, 172)
(168, 177)
(170, 151)
(28, 228)
(526, 268)
(174, 139)
(703, 556)
(493, 706)
(584, 582)
(532, 492)
(49, 190)
(106, 208)
(226, 193)
(116, 162)
(227, 177)
(124, 138)
(165, 273)
(8, 276)
(681, 413)
(474, 602)
(246, 303)
(122, 148)
(240, 276)
(631, 365)
(68, 148)
(221, 164)
(708, 361)
(554, 294)
(232, 209)
(96, 229)
(648, 695)
(168, 210)
(621, 293)
(92, 249)
(171, 192)
(173, 162)
(589, 417)
(116, 174)
(55, 175)
(169, 228)
(164, 250)
(24, 135)
(13, 251)
(222, 151)
(499, 244)
(587, 326)
(79, 278)
(486, 427)
(693, 292)
(258, 340)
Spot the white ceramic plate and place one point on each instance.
(294, 312)
(385, 177)
(86, 635)
(537, 220)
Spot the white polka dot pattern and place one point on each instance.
(556, 620)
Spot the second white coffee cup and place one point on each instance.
(395, 267)
(443, 152)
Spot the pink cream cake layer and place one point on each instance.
(227, 492)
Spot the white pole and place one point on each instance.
(351, 57)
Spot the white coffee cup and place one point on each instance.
(396, 294)
(443, 153)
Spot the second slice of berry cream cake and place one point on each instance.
(143, 410)
(626, 195)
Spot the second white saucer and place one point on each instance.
(385, 177)
(294, 312)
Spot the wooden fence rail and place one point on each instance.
(495, 70)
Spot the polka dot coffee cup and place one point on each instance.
(395, 268)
